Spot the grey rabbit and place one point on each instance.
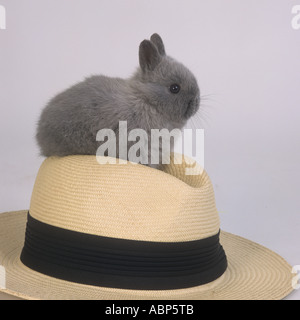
(162, 93)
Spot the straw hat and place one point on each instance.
(127, 231)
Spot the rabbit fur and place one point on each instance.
(69, 123)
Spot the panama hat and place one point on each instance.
(127, 231)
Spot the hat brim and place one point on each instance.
(254, 273)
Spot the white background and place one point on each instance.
(246, 57)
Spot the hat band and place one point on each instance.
(121, 263)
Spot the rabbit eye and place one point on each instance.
(175, 88)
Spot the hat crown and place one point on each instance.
(127, 201)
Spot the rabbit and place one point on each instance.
(161, 93)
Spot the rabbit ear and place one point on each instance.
(157, 40)
(149, 55)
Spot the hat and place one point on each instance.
(128, 231)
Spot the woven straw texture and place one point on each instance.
(124, 201)
(254, 273)
(134, 202)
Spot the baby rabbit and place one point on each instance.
(162, 93)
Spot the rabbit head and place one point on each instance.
(166, 84)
